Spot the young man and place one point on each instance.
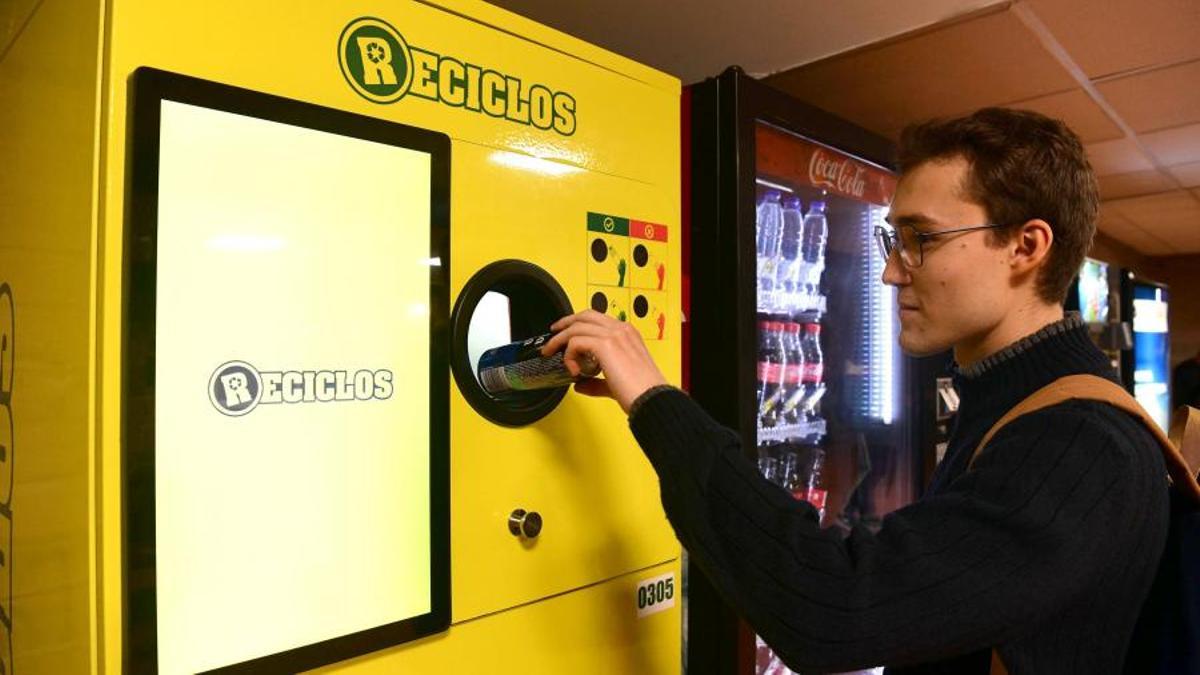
(1045, 548)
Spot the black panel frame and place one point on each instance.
(148, 88)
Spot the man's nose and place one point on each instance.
(895, 273)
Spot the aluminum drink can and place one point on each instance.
(520, 366)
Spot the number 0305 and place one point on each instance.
(655, 595)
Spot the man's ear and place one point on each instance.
(1031, 246)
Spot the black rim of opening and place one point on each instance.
(542, 301)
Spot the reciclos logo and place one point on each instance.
(383, 68)
(8, 438)
(236, 387)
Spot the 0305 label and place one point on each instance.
(655, 595)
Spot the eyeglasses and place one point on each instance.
(910, 243)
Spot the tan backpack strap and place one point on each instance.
(1097, 388)
(997, 667)
(1051, 394)
(1185, 434)
(1181, 449)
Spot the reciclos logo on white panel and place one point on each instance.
(236, 387)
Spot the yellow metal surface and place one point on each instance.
(592, 631)
(579, 467)
(559, 604)
(48, 127)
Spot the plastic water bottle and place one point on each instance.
(816, 234)
(787, 280)
(768, 227)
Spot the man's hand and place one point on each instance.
(616, 346)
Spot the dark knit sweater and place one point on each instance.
(1046, 548)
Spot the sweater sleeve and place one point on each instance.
(1005, 546)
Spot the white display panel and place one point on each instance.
(300, 511)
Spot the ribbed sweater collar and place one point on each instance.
(1004, 378)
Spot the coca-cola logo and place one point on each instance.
(837, 173)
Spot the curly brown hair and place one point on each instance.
(1023, 165)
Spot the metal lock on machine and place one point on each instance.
(525, 524)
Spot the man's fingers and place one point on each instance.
(562, 323)
(560, 339)
(581, 348)
(555, 343)
(593, 386)
(586, 316)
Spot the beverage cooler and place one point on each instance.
(1094, 294)
(1146, 368)
(792, 333)
(248, 267)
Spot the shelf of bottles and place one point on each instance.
(808, 429)
(790, 241)
(827, 362)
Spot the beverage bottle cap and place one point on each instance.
(588, 366)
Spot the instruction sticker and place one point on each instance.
(608, 250)
(627, 271)
(648, 253)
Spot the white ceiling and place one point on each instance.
(1124, 74)
(699, 38)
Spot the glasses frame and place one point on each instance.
(888, 239)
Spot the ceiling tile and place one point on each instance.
(1118, 185)
(1111, 219)
(1171, 217)
(1078, 110)
(1159, 99)
(1187, 242)
(1146, 245)
(1187, 174)
(1119, 156)
(1179, 232)
(699, 39)
(936, 73)
(1174, 146)
(1114, 36)
(1183, 238)
(1190, 245)
(1117, 226)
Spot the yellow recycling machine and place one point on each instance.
(250, 253)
